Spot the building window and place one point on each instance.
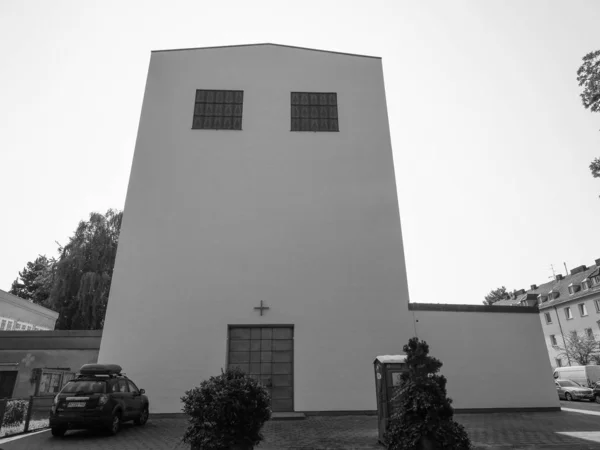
(553, 340)
(558, 362)
(6, 324)
(23, 326)
(218, 110)
(314, 111)
(585, 285)
(568, 313)
(589, 333)
(51, 381)
(548, 318)
(596, 280)
(582, 309)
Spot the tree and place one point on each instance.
(581, 349)
(35, 280)
(496, 295)
(83, 273)
(588, 76)
(423, 415)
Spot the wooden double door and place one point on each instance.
(266, 353)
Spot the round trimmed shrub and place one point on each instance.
(226, 411)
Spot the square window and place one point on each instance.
(597, 304)
(218, 110)
(568, 313)
(553, 340)
(582, 309)
(589, 333)
(548, 318)
(314, 111)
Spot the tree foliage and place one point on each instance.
(84, 271)
(78, 283)
(35, 280)
(588, 76)
(422, 410)
(580, 349)
(496, 295)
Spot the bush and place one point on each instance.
(422, 411)
(15, 412)
(226, 410)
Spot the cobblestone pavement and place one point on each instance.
(487, 431)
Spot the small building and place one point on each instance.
(18, 314)
(41, 362)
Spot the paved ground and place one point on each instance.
(487, 431)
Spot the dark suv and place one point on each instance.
(99, 397)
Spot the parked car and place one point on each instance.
(596, 389)
(570, 390)
(583, 375)
(100, 396)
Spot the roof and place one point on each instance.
(508, 302)
(562, 287)
(27, 305)
(262, 44)
(391, 359)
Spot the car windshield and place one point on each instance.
(84, 387)
(568, 383)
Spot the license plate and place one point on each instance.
(76, 405)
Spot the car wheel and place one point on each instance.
(58, 432)
(115, 425)
(568, 397)
(143, 417)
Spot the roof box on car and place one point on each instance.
(100, 369)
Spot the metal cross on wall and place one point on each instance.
(261, 307)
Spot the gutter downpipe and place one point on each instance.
(562, 335)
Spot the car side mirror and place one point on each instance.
(142, 391)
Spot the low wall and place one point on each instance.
(494, 357)
(24, 351)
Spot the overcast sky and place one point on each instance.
(491, 142)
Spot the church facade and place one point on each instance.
(261, 230)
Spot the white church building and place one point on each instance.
(261, 229)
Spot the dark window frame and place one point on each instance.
(218, 109)
(314, 112)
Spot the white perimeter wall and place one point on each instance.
(491, 360)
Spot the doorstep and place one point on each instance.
(288, 416)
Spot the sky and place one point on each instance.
(491, 143)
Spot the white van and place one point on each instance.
(584, 375)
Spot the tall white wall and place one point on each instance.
(491, 360)
(216, 221)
